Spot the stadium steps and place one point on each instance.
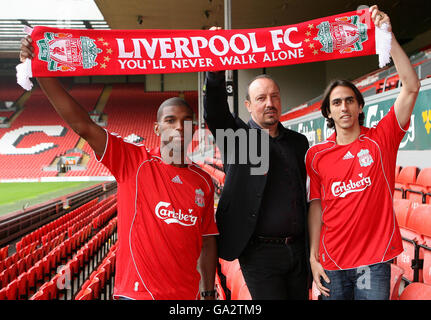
(20, 103)
(23, 98)
(103, 99)
(84, 160)
(80, 144)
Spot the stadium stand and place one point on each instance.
(33, 143)
(23, 154)
(79, 239)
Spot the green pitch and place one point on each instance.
(16, 196)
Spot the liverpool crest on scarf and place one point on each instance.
(63, 52)
(345, 34)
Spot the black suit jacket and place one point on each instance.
(240, 200)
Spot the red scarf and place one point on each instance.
(80, 52)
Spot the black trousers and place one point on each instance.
(275, 271)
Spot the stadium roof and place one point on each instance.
(16, 14)
(410, 18)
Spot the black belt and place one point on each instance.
(274, 240)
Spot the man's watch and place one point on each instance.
(209, 293)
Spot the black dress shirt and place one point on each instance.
(281, 213)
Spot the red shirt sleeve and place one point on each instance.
(122, 157)
(389, 132)
(313, 178)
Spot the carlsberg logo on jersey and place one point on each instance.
(341, 189)
(165, 212)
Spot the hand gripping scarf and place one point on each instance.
(82, 52)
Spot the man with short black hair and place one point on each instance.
(166, 225)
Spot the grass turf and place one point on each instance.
(16, 196)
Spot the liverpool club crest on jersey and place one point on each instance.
(345, 34)
(365, 158)
(199, 198)
(64, 53)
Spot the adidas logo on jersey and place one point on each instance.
(177, 179)
(348, 155)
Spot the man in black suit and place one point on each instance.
(261, 217)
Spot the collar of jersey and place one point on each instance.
(333, 136)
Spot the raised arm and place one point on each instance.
(406, 100)
(67, 107)
(216, 108)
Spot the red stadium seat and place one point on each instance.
(237, 282)
(231, 274)
(86, 294)
(40, 295)
(12, 290)
(4, 278)
(416, 291)
(244, 293)
(418, 227)
(22, 266)
(420, 192)
(95, 287)
(426, 252)
(101, 275)
(420, 219)
(421, 222)
(39, 271)
(409, 259)
(32, 279)
(396, 277)
(4, 252)
(397, 171)
(225, 265)
(402, 208)
(406, 177)
(13, 272)
(50, 290)
(22, 283)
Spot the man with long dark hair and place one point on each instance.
(352, 225)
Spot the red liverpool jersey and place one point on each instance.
(355, 184)
(163, 212)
